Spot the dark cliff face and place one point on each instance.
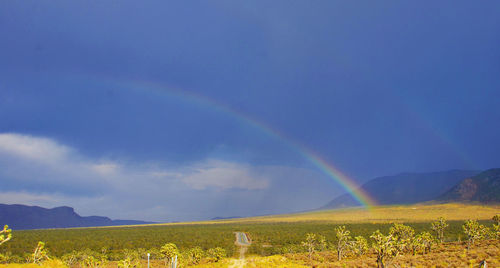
(33, 217)
(406, 188)
(484, 187)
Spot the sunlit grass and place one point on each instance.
(381, 214)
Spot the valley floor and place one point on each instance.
(451, 254)
(270, 239)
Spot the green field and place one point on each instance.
(270, 235)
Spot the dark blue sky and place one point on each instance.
(376, 88)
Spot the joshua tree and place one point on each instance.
(473, 231)
(321, 242)
(216, 253)
(310, 244)
(438, 227)
(195, 255)
(496, 219)
(359, 245)
(5, 234)
(402, 235)
(40, 254)
(427, 241)
(416, 244)
(169, 251)
(385, 247)
(496, 226)
(343, 237)
(422, 241)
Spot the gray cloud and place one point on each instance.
(42, 171)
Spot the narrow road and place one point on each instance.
(242, 239)
(243, 242)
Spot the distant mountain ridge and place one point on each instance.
(225, 218)
(33, 217)
(405, 188)
(484, 188)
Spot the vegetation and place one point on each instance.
(439, 226)
(343, 239)
(359, 246)
(496, 227)
(381, 214)
(195, 255)
(40, 254)
(402, 236)
(293, 244)
(385, 248)
(5, 234)
(169, 251)
(216, 254)
(474, 231)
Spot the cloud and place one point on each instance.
(59, 165)
(224, 175)
(26, 198)
(42, 171)
(33, 148)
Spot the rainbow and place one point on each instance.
(327, 168)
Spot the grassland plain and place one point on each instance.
(270, 235)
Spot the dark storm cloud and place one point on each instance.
(376, 88)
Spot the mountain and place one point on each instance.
(405, 188)
(484, 188)
(32, 217)
(225, 218)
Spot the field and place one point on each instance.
(271, 235)
(382, 214)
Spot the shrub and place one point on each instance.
(40, 254)
(359, 246)
(402, 236)
(169, 251)
(5, 234)
(496, 227)
(473, 231)
(438, 227)
(195, 255)
(310, 244)
(385, 248)
(343, 237)
(216, 254)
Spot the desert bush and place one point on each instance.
(168, 252)
(359, 246)
(216, 254)
(402, 236)
(427, 241)
(194, 255)
(5, 257)
(5, 234)
(70, 258)
(439, 226)
(496, 227)
(291, 249)
(40, 254)
(385, 248)
(474, 231)
(310, 244)
(343, 239)
(322, 245)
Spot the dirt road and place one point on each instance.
(243, 242)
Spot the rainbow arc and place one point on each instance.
(327, 168)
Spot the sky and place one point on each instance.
(176, 111)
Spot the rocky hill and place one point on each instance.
(484, 188)
(33, 217)
(405, 188)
